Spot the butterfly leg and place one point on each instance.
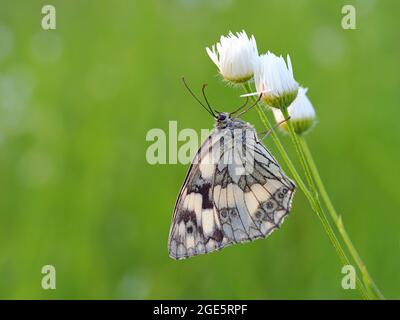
(268, 132)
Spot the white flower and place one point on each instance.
(235, 56)
(301, 113)
(274, 80)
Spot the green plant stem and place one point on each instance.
(310, 179)
(368, 281)
(300, 152)
(328, 228)
(315, 205)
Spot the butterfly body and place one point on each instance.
(234, 192)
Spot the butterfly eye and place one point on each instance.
(221, 117)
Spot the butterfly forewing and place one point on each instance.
(234, 192)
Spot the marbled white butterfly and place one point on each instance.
(234, 192)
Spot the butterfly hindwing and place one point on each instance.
(234, 192)
(256, 203)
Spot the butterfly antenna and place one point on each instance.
(251, 107)
(241, 107)
(203, 90)
(197, 99)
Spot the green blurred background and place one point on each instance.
(76, 103)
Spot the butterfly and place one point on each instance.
(234, 191)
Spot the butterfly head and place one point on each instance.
(223, 119)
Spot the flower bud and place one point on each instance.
(235, 57)
(301, 113)
(274, 79)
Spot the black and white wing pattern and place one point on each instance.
(234, 192)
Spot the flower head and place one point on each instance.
(274, 80)
(301, 112)
(235, 56)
